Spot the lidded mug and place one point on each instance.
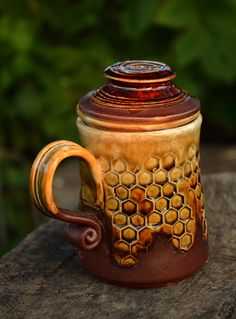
(141, 220)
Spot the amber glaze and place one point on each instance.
(141, 220)
(151, 184)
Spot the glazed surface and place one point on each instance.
(152, 186)
(139, 95)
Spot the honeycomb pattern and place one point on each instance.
(162, 195)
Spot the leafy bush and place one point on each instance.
(53, 52)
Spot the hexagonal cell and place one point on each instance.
(185, 241)
(183, 186)
(119, 166)
(175, 174)
(190, 199)
(185, 213)
(112, 179)
(104, 164)
(178, 228)
(191, 226)
(199, 177)
(171, 216)
(162, 204)
(203, 213)
(197, 173)
(128, 261)
(193, 180)
(144, 178)
(160, 177)
(145, 207)
(198, 191)
(153, 191)
(129, 207)
(137, 220)
(128, 179)
(137, 194)
(191, 152)
(168, 161)
(204, 228)
(176, 242)
(145, 236)
(187, 169)
(129, 234)
(151, 164)
(110, 192)
(168, 189)
(121, 192)
(112, 203)
(154, 219)
(136, 247)
(120, 219)
(194, 164)
(115, 233)
(121, 245)
(177, 201)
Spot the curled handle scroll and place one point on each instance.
(41, 179)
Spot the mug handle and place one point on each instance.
(41, 179)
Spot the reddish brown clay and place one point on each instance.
(159, 266)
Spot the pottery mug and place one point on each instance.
(141, 220)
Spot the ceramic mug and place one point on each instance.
(141, 221)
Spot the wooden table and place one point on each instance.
(40, 278)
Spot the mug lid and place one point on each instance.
(139, 95)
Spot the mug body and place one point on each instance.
(153, 220)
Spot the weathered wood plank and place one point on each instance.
(41, 278)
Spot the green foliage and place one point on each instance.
(53, 52)
(15, 206)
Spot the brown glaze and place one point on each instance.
(142, 72)
(159, 266)
(138, 92)
(141, 220)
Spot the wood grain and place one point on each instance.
(41, 279)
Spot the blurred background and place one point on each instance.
(53, 52)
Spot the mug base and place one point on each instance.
(160, 266)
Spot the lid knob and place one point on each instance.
(132, 82)
(139, 71)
